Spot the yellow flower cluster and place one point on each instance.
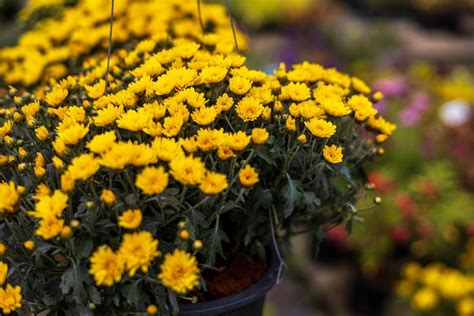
(435, 285)
(10, 296)
(46, 51)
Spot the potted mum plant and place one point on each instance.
(165, 187)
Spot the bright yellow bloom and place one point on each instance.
(41, 191)
(302, 138)
(238, 141)
(3, 249)
(249, 109)
(297, 91)
(118, 157)
(9, 197)
(204, 115)
(49, 227)
(101, 143)
(130, 219)
(3, 272)
(29, 245)
(425, 300)
(381, 125)
(225, 152)
(83, 167)
(360, 85)
(30, 111)
(335, 107)
(138, 250)
(333, 153)
(239, 85)
(224, 103)
(152, 309)
(97, 90)
(213, 74)
(135, 120)
(209, 139)
(50, 205)
(106, 266)
(187, 170)
(378, 96)
(259, 135)
(154, 129)
(108, 197)
(68, 183)
(172, 125)
(308, 109)
(290, 124)
(152, 180)
(10, 298)
(248, 176)
(42, 133)
(320, 128)
(108, 115)
(465, 306)
(213, 183)
(179, 271)
(73, 134)
(6, 128)
(189, 144)
(166, 149)
(56, 96)
(40, 164)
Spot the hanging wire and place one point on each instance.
(227, 3)
(109, 52)
(200, 15)
(277, 249)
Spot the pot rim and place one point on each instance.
(249, 295)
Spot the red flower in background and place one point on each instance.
(428, 189)
(424, 230)
(405, 205)
(381, 181)
(399, 234)
(337, 235)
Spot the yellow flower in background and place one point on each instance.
(73, 134)
(83, 167)
(189, 144)
(9, 197)
(238, 141)
(302, 138)
(411, 271)
(152, 180)
(249, 109)
(130, 219)
(6, 128)
(308, 109)
(106, 266)
(42, 133)
(297, 91)
(102, 142)
(204, 115)
(30, 110)
(335, 107)
(239, 85)
(320, 128)
(360, 85)
(3, 249)
(172, 125)
(108, 197)
(166, 149)
(224, 103)
(179, 272)
(332, 154)
(134, 120)
(29, 245)
(40, 164)
(138, 250)
(50, 205)
(49, 227)
(10, 299)
(225, 152)
(56, 96)
(213, 74)
(209, 139)
(41, 191)
(68, 183)
(152, 309)
(425, 300)
(187, 170)
(381, 125)
(108, 115)
(213, 183)
(259, 136)
(290, 124)
(465, 306)
(3, 272)
(248, 176)
(97, 90)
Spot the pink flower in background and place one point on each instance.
(416, 108)
(391, 87)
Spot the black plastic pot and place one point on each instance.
(248, 302)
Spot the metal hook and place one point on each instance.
(109, 52)
(232, 25)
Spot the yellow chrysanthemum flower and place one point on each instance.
(238, 141)
(10, 299)
(73, 134)
(213, 183)
(332, 154)
(297, 91)
(249, 109)
(108, 115)
(3, 272)
(56, 96)
(49, 227)
(108, 197)
(106, 266)
(138, 250)
(102, 142)
(130, 219)
(248, 176)
(425, 300)
(204, 115)
(6, 128)
(239, 85)
(152, 180)
(42, 133)
(187, 170)
(209, 139)
(9, 197)
(320, 128)
(83, 167)
(179, 271)
(213, 74)
(50, 205)
(259, 135)
(166, 149)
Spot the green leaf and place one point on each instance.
(131, 292)
(291, 194)
(310, 199)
